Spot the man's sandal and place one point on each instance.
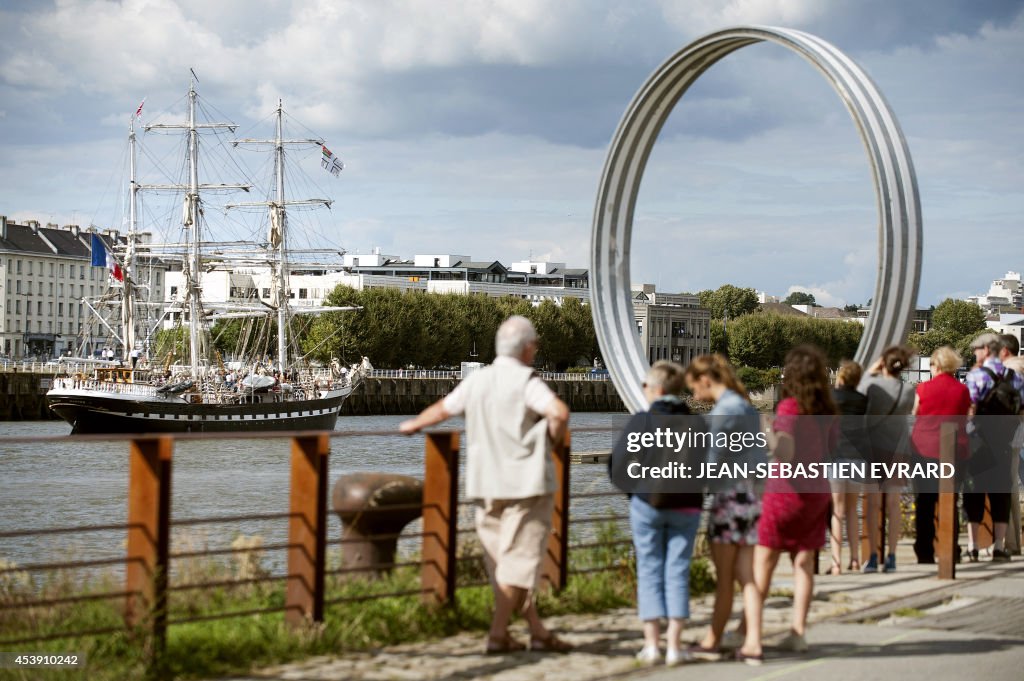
(550, 644)
(506, 644)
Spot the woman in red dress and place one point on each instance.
(795, 512)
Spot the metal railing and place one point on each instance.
(457, 375)
(149, 558)
(71, 368)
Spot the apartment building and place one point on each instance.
(49, 290)
(671, 325)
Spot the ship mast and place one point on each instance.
(128, 284)
(278, 241)
(191, 221)
(278, 236)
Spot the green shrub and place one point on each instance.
(758, 380)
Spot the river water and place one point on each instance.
(71, 483)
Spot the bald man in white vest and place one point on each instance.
(512, 417)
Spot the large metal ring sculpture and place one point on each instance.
(899, 205)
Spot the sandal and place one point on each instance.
(854, 566)
(699, 652)
(506, 644)
(836, 569)
(550, 644)
(751, 660)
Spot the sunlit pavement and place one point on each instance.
(903, 626)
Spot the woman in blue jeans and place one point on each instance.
(664, 525)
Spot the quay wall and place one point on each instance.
(22, 395)
(377, 396)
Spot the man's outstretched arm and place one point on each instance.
(434, 414)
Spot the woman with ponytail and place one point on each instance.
(735, 508)
(890, 401)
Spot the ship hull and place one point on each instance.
(97, 414)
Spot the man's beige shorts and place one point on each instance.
(514, 535)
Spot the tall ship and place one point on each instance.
(171, 377)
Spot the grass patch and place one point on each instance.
(908, 612)
(235, 645)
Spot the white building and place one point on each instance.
(1012, 324)
(535, 281)
(671, 326)
(1002, 294)
(47, 284)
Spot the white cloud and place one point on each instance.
(485, 123)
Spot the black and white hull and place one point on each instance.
(127, 409)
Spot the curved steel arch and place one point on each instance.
(899, 205)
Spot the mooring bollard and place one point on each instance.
(373, 509)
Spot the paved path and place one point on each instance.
(852, 636)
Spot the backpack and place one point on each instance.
(1003, 399)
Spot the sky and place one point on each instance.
(480, 127)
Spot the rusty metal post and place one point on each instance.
(440, 517)
(149, 534)
(307, 530)
(555, 571)
(946, 508)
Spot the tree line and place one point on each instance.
(397, 329)
(955, 323)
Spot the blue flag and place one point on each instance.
(99, 252)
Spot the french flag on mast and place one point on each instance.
(101, 257)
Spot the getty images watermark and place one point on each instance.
(694, 452)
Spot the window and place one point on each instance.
(437, 262)
(62, 270)
(266, 293)
(60, 290)
(30, 267)
(18, 286)
(51, 283)
(51, 269)
(72, 273)
(60, 309)
(19, 265)
(17, 307)
(174, 291)
(60, 327)
(303, 293)
(51, 309)
(39, 307)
